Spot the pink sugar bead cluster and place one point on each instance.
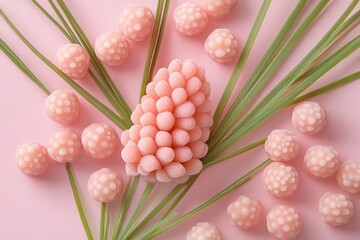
(203, 231)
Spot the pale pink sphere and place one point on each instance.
(73, 60)
(203, 231)
(245, 212)
(62, 106)
(280, 180)
(32, 158)
(282, 145)
(348, 176)
(321, 161)
(64, 146)
(219, 8)
(284, 222)
(112, 48)
(336, 208)
(221, 45)
(308, 117)
(99, 140)
(190, 19)
(105, 185)
(136, 22)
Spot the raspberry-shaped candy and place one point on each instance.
(280, 180)
(112, 48)
(219, 8)
(105, 185)
(336, 208)
(32, 158)
(171, 125)
(190, 19)
(348, 176)
(136, 22)
(62, 106)
(282, 145)
(203, 231)
(73, 60)
(65, 146)
(308, 117)
(99, 140)
(284, 222)
(321, 161)
(245, 212)
(221, 45)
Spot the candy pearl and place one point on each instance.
(282, 145)
(190, 19)
(308, 117)
(99, 140)
(348, 176)
(112, 48)
(136, 22)
(32, 158)
(321, 161)
(105, 185)
(245, 212)
(219, 8)
(73, 60)
(65, 146)
(203, 231)
(221, 45)
(283, 222)
(336, 208)
(280, 180)
(62, 106)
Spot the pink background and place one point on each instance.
(43, 208)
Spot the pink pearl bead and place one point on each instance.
(308, 117)
(73, 60)
(336, 208)
(282, 145)
(321, 161)
(112, 48)
(105, 185)
(280, 180)
(32, 158)
(136, 22)
(62, 106)
(65, 146)
(219, 8)
(245, 212)
(284, 222)
(190, 19)
(99, 140)
(221, 45)
(203, 231)
(348, 176)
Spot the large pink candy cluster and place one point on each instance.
(171, 125)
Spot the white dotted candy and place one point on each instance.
(112, 48)
(308, 117)
(348, 176)
(73, 60)
(190, 19)
(62, 106)
(64, 146)
(32, 158)
(282, 145)
(336, 208)
(203, 231)
(219, 8)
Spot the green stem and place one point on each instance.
(102, 221)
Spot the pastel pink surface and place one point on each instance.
(50, 194)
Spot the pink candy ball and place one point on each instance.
(65, 146)
(348, 176)
(73, 60)
(221, 45)
(32, 158)
(219, 8)
(282, 145)
(105, 185)
(99, 140)
(190, 19)
(62, 106)
(308, 117)
(112, 48)
(284, 222)
(136, 22)
(336, 208)
(245, 212)
(203, 231)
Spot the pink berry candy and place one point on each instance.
(219, 8)
(32, 158)
(136, 22)
(348, 176)
(203, 231)
(280, 180)
(62, 106)
(99, 140)
(308, 117)
(221, 45)
(105, 185)
(65, 146)
(245, 212)
(112, 48)
(282, 145)
(73, 60)
(321, 161)
(336, 208)
(284, 222)
(190, 19)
